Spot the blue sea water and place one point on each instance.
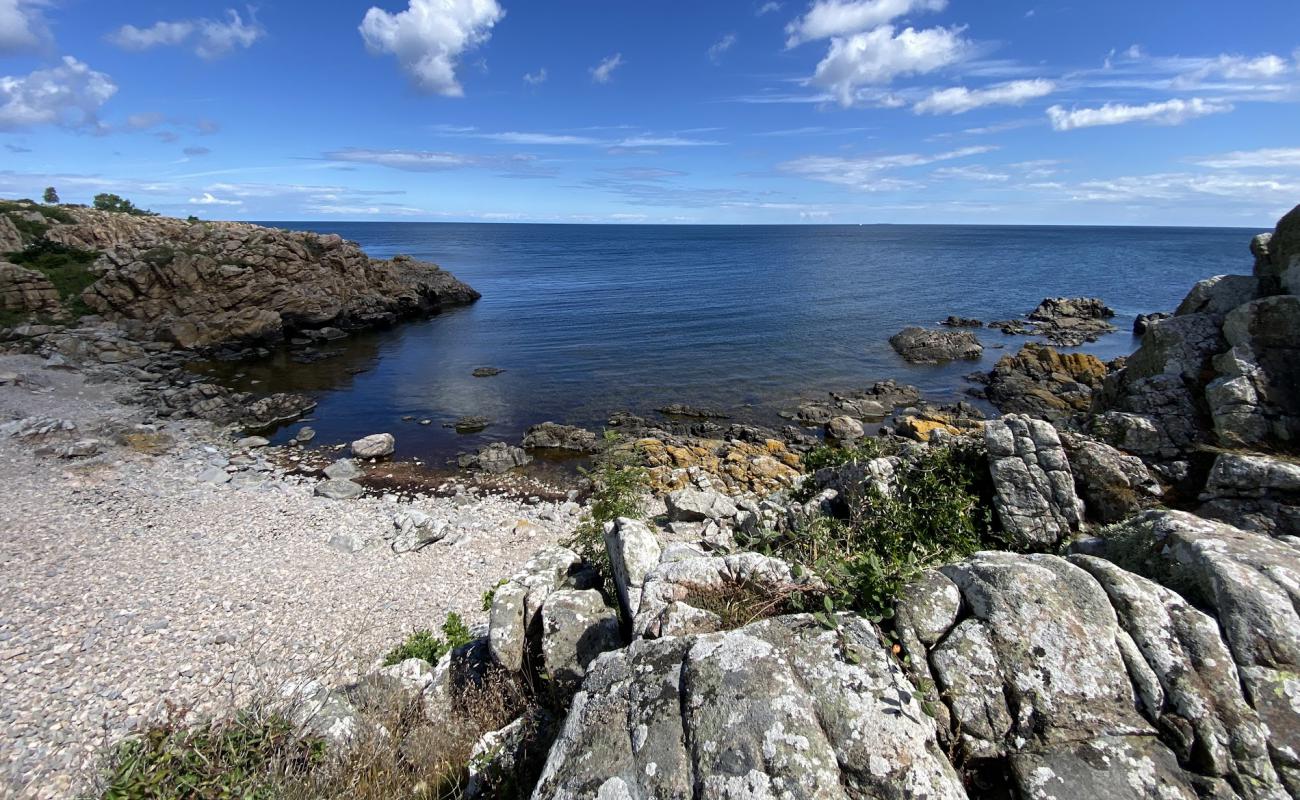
(588, 319)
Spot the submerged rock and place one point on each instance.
(552, 436)
(495, 458)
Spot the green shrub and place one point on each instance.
(66, 267)
(829, 455)
(423, 644)
(240, 758)
(932, 517)
(120, 205)
(618, 484)
(491, 594)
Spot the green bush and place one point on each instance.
(120, 205)
(933, 516)
(242, 758)
(829, 455)
(423, 644)
(618, 484)
(66, 267)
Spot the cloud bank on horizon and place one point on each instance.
(845, 111)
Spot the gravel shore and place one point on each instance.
(134, 581)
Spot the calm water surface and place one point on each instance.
(586, 319)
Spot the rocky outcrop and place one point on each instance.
(27, 291)
(781, 708)
(925, 346)
(1071, 321)
(1113, 485)
(495, 458)
(551, 436)
(212, 283)
(1044, 383)
(872, 404)
(1034, 488)
(1255, 493)
(736, 466)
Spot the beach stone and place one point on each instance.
(1033, 487)
(416, 529)
(343, 469)
(924, 346)
(252, 442)
(377, 445)
(691, 505)
(339, 489)
(845, 429)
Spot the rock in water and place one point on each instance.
(486, 372)
(781, 708)
(550, 436)
(471, 424)
(496, 458)
(844, 429)
(923, 346)
(376, 445)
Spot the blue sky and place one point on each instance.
(1172, 112)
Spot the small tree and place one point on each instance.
(51, 196)
(120, 205)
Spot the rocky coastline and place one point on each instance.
(1126, 627)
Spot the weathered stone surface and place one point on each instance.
(1251, 584)
(1071, 321)
(633, 553)
(780, 708)
(1114, 486)
(550, 436)
(514, 621)
(26, 290)
(339, 489)
(496, 458)
(737, 466)
(577, 626)
(844, 429)
(670, 587)
(1255, 493)
(1103, 768)
(11, 240)
(1044, 383)
(1033, 486)
(691, 505)
(1256, 398)
(925, 346)
(414, 529)
(1217, 296)
(1142, 322)
(1281, 251)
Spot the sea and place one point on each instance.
(585, 320)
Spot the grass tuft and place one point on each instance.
(424, 644)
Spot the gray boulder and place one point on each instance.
(496, 458)
(550, 436)
(339, 489)
(633, 553)
(781, 708)
(1033, 487)
(844, 429)
(1255, 493)
(1255, 401)
(514, 621)
(924, 346)
(376, 445)
(415, 529)
(1113, 485)
(691, 505)
(343, 469)
(577, 626)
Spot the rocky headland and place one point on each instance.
(1093, 594)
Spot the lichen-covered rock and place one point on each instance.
(739, 467)
(1045, 383)
(925, 346)
(1255, 493)
(577, 626)
(633, 552)
(514, 620)
(1113, 485)
(1033, 487)
(780, 708)
(1251, 584)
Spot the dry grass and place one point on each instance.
(738, 603)
(147, 443)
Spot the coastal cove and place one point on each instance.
(586, 320)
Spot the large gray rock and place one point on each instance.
(339, 489)
(550, 436)
(1217, 296)
(1251, 584)
(1033, 487)
(1255, 493)
(691, 505)
(376, 445)
(925, 346)
(1113, 485)
(514, 621)
(577, 627)
(414, 529)
(1255, 401)
(782, 708)
(633, 552)
(496, 458)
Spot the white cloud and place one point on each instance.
(409, 160)
(829, 18)
(971, 173)
(1238, 68)
(535, 78)
(1169, 112)
(663, 141)
(721, 46)
(959, 99)
(879, 56)
(208, 199)
(210, 38)
(604, 71)
(1271, 158)
(22, 27)
(767, 8)
(1182, 187)
(70, 95)
(429, 36)
(867, 173)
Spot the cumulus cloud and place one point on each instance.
(868, 173)
(879, 56)
(959, 99)
(535, 78)
(70, 95)
(721, 46)
(1270, 158)
(1169, 112)
(767, 8)
(1237, 68)
(430, 36)
(22, 27)
(210, 38)
(604, 71)
(829, 18)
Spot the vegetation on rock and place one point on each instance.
(120, 205)
(618, 486)
(424, 644)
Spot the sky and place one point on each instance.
(1156, 112)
